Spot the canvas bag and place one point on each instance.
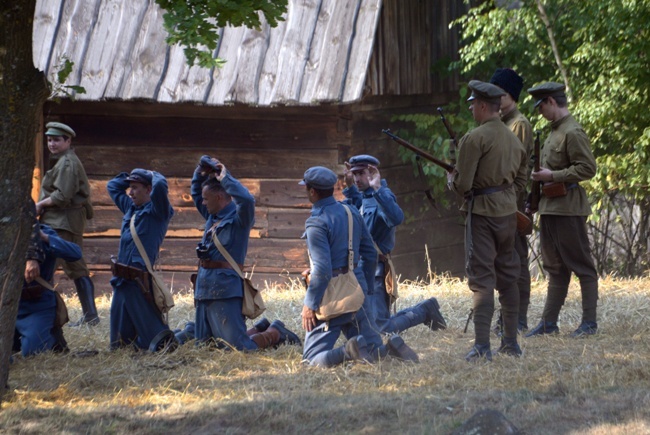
(252, 302)
(390, 278)
(61, 317)
(343, 293)
(162, 296)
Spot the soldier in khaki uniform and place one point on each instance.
(512, 83)
(64, 204)
(566, 160)
(491, 169)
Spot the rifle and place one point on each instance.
(453, 145)
(537, 185)
(420, 152)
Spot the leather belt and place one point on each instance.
(491, 190)
(128, 272)
(215, 264)
(340, 271)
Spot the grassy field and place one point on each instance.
(597, 385)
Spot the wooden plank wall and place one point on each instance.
(438, 233)
(267, 149)
(413, 36)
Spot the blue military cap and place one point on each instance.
(59, 129)
(141, 176)
(545, 90)
(362, 161)
(319, 177)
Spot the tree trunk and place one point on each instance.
(23, 91)
(556, 51)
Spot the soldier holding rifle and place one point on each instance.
(491, 168)
(566, 161)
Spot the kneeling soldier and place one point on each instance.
(135, 319)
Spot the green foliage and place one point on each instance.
(195, 24)
(59, 88)
(427, 131)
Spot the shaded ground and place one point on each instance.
(561, 385)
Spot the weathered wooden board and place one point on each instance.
(177, 253)
(366, 22)
(109, 46)
(178, 282)
(111, 160)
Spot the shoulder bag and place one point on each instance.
(252, 302)
(162, 296)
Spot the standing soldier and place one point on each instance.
(491, 169)
(64, 204)
(378, 206)
(566, 161)
(135, 319)
(327, 241)
(512, 83)
(229, 211)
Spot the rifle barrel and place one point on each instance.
(420, 152)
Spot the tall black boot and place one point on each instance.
(86, 293)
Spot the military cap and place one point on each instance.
(361, 162)
(545, 90)
(141, 176)
(508, 80)
(59, 129)
(319, 177)
(485, 91)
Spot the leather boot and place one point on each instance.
(433, 317)
(187, 334)
(479, 352)
(86, 293)
(400, 350)
(259, 326)
(509, 346)
(275, 335)
(356, 349)
(544, 327)
(268, 338)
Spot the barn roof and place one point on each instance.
(320, 53)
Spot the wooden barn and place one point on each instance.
(315, 90)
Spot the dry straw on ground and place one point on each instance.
(597, 385)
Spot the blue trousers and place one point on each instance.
(319, 342)
(35, 324)
(221, 319)
(134, 321)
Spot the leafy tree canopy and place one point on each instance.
(195, 24)
(600, 47)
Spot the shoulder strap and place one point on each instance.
(138, 244)
(226, 255)
(350, 247)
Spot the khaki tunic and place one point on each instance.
(567, 152)
(490, 156)
(67, 185)
(520, 126)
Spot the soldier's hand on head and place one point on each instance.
(348, 176)
(32, 270)
(220, 171)
(374, 177)
(208, 164)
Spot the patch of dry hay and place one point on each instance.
(561, 385)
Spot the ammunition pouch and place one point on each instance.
(554, 189)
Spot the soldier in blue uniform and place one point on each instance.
(36, 330)
(327, 241)
(378, 206)
(135, 320)
(229, 210)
